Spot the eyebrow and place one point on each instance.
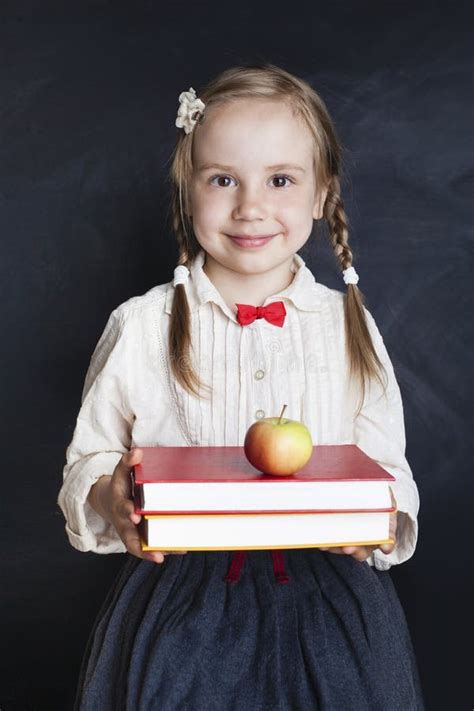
(229, 168)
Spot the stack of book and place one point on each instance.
(212, 498)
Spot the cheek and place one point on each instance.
(295, 208)
(207, 202)
(297, 214)
(208, 217)
(209, 213)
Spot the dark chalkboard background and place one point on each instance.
(88, 98)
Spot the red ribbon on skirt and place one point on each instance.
(238, 560)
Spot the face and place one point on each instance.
(253, 174)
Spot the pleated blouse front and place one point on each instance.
(254, 370)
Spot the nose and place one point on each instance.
(250, 205)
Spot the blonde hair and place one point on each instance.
(267, 81)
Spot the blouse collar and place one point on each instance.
(304, 292)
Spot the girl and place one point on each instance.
(256, 161)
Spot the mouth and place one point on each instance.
(251, 241)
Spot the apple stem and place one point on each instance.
(281, 414)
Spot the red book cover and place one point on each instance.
(342, 462)
(222, 465)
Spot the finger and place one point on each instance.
(129, 460)
(124, 509)
(135, 518)
(129, 535)
(363, 552)
(121, 475)
(360, 553)
(387, 548)
(121, 488)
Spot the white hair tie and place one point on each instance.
(181, 274)
(350, 276)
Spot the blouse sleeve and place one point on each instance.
(380, 433)
(102, 434)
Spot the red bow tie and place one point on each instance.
(274, 313)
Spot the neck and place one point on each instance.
(254, 289)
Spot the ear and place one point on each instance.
(319, 204)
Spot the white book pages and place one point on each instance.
(265, 496)
(249, 531)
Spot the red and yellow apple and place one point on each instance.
(278, 446)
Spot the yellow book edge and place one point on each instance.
(273, 513)
(264, 548)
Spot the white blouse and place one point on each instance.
(131, 398)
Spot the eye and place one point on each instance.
(282, 177)
(220, 177)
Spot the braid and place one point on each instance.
(338, 224)
(179, 339)
(363, 359)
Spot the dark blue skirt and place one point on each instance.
(178, 636)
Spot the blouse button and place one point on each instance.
(259, 414)
(259, 374)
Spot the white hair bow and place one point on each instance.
(190, 109)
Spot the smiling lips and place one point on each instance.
(251, 236)
(251, 241)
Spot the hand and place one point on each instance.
(111, 498)
(361, 553)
